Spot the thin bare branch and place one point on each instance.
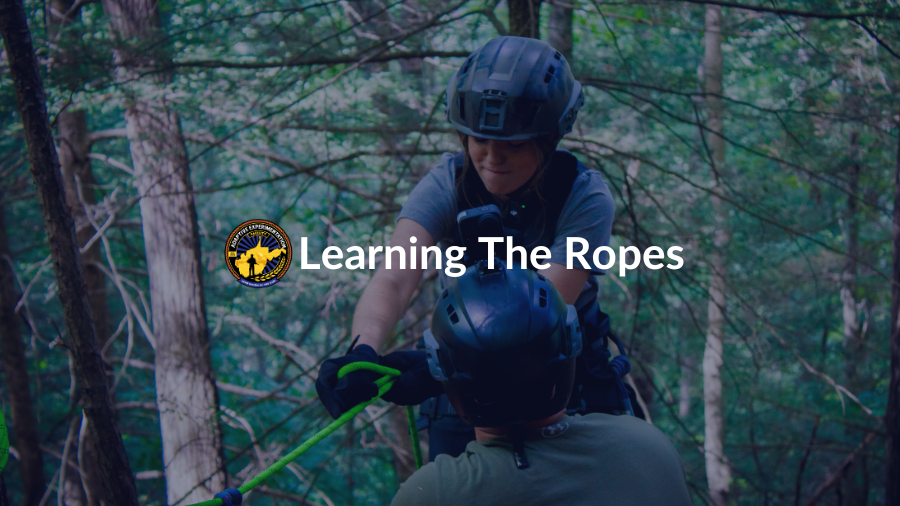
(835, 476)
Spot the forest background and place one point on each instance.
(762, 137)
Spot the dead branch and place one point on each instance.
(306, 62)
(309, 360)
(261, 394)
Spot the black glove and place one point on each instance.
(358, 386)
(415, 384)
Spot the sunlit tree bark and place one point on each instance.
(718, 473)
(185, 388)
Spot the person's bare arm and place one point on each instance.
(387, 295)
(569, 282)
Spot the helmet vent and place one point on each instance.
(468, 64)
(445, 294)
(541, 277)
(461, 105)
(557, 55)
(542, 297)
(450, 311)
(548, 76)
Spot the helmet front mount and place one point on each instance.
(514, 88)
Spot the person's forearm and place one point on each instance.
(386, 297)
(380, 307)
(569, 282)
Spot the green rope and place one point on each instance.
(4, 442)
(414, 435)
(384, 384)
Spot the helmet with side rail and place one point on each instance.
(503, 343)
(514, 88)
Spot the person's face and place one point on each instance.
(504, 166)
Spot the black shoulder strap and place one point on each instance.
(558, 181)
(555, 187)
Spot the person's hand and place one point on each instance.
(339, 397)
(415, 383)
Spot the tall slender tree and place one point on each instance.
(856, 479)
(185, 388)
(82, 342)
(15, 367)
(559, 33)
(718, 472)
(892, 412)
(74, 147)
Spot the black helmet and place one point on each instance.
(514, 88)
(503, 343)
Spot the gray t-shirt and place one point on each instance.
(582, 460)
(587, 213)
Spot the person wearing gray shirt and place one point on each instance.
(511, 102)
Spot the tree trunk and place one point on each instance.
(560, 30)
(718, 472)
(186, 392)
(852, 345)
(892, 412)
(117, 477)
(525, 18)
(684, 387)
(78, 178)
(74, 147)
(856, 479)
(15, 366)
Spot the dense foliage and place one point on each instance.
(310, 116)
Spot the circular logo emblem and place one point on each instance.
(258, 253)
